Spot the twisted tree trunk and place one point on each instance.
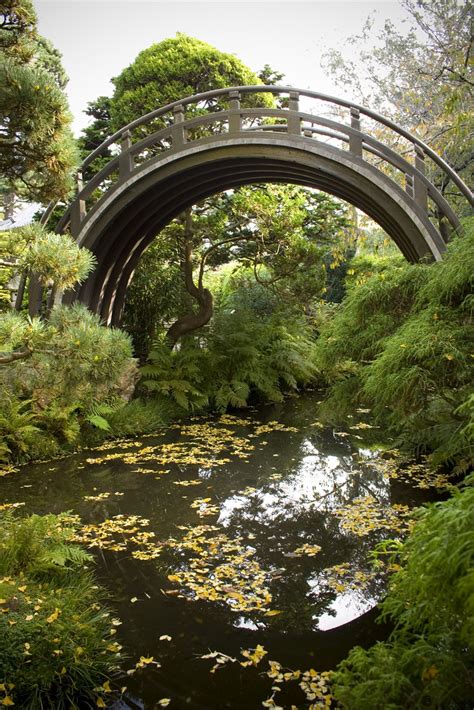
(203, 297)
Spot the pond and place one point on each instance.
(246, 532)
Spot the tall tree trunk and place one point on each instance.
(203, 297)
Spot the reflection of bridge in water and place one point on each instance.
(169, 159)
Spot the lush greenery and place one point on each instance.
(37, 149)
(291, 239)
(55, 260)
(428, 661)
(165, 72)
(401, 343)
(70, 365)
(239, 359)
(56, 645)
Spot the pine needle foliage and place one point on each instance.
(73, 365)
(428, 661)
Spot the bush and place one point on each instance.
(54, 648)
(428, 661)
(73, 364)
(401, 343)
(238, 359)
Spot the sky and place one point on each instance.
(99, 38)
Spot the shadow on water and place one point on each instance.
(259, 496)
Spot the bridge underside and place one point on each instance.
(121, 225)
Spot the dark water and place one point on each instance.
(252, 565)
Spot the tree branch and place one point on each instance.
(213, 248)
(14, 355)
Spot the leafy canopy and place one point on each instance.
(175, 68)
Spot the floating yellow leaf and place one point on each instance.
(7, 700)
(164, 702)
(145, 660)
(100, 703)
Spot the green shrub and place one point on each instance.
(74, 365)
(56, 648)
(239, 357)
(401, 343)
(428, 661)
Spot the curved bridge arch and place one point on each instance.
(153, 179)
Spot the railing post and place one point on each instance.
(35, 295)
(177, 132)
(355, 142)
(235, 118)
(409, 185)
(293, 120)
(78, 207)
(126, 161)
(419, 187)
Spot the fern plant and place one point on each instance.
(39, 546)
(18, 426)
(176, 374)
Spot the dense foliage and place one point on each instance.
(428, 661)
(55, 260)
(37, 149)
(175, 68)
(289, 237)
(254, 349)
(55, 635)
(71, 365)
(402, 344)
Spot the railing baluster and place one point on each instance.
(126, 161)
(419, 187)
(179, 139)
(409, 185)
(78, 207)
(293, 120)
(355, 142)
(235, 118)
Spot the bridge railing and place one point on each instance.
(235, 112)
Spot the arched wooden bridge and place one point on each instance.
(170, 158)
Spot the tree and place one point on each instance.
(37, 149)
(421, 78)
(55, 260)
(173, 69)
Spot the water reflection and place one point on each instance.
(345, 608)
